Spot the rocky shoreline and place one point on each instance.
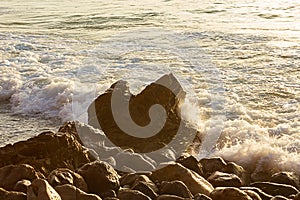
(77, 163)
(57, 166)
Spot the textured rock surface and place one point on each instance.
(288, 178)
(12, 195)
(63, 176)
(192, 163)
(100, 177)
(225, 193)
(166, 92)
(146, 188)
(221, 179)
(126, 194)
(70, 192)
(177, 188)
(11, 174)
(40, 189)
(173, 172)
(275, 188)
(46, 152)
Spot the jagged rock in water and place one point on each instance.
(135, 109)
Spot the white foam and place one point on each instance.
(10, 81)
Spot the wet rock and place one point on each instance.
(221, 179)
(100, 177)
(211, 165)
(22, 185)
(175, 171)
(46, 152)
(278, 197)
(40, 189)
(201, 197)
(275, 188)
(70, 192)
(263, 195)
(252, 194)
(177, 188)
(63, 176)
(126, 194)
(233, 168)
(191, 163)
(166, 92)
(297, 196)
(108, 193)
(169, 197)
(131, 178)
(12, 195)
(225, 193)
(11, 174)
(146, 188)
(288, 178)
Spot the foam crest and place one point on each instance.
(10, 82)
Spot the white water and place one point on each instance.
(54, 56)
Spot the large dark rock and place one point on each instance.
(289, 178)
(41, 189)
(12, 195)
(192, 163)
(46, 152)
(165, 92)
(11, 174)
(172, 172)
(177, 188)
(221, 179)
(70, 192)
(100, 177)
(275, 188)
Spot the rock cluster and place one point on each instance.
(57, 166)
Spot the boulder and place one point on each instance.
(126, 194)
(70, 192)
(201, 197)
(262, 195)
(22, 185)
(11, 174)
(177, 188)
(221, 179)
(12, 195)
(63, 176)
(288, 178)
(40, 189)
(278, 197)
(275, 188)
(165, 92)
(191, 163)
(175, 171)
(169, 197)
(225, 193)
(100, 177)
(211, 165)
(46, 152)
(131, 178)
(146, 188)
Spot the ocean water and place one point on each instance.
(239, 62)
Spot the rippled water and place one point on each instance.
(253, 46)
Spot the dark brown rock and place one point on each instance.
(126, 194)
(146, 188)
(288, 178)
(210, 165)
(12, 195)
(70, 192)
(233, 168)
(278, 197)
(63, 176)
(131, 178)
(252, 194)
(192, 163)
(169, 197)
(177, 188)
(11, 174)
(166, 92)
(263, 195)
(173, 172)
(100, 177)
(275, 188)
(46, 152)
(225, 193)
(201, 197)
(221, 179)
(40, 189)
(297, 196)
(22, 185)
